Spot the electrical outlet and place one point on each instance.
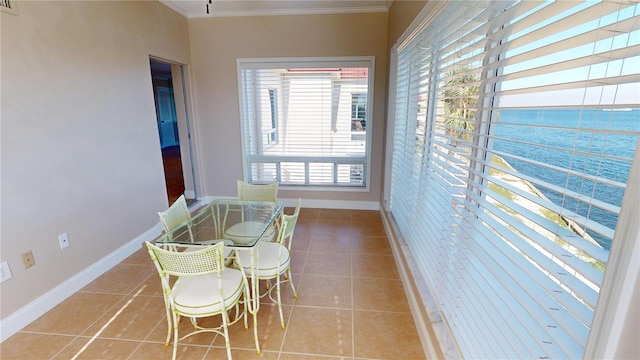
(27, 259)
(63, 240)
(5, 271)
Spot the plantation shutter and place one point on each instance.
(306, 122)
(515, 129)
(9, 6)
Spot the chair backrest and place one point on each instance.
(255, 192)
(208, 260)
(175, 215)
(288, 225)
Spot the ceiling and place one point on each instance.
(218, 8)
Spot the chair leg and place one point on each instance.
(168, 339)
(175, 337)
(255, 331)
(279, 301)
(227, 343)
(293, 288)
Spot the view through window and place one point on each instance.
(305, 121)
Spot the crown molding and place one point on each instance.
(297, 10)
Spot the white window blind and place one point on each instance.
(9, 6)
(515, 129)
(298, 120)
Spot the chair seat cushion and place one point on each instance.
(272, 259)
(246, 231)
(200, 295)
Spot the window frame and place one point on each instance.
(310, 62)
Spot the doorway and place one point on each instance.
(173, 129)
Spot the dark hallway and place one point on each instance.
(173, 172)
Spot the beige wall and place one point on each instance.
(216, 43)
(401, 14)
(79, 142)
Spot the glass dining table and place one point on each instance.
(240, 225)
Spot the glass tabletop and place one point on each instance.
(239, 223)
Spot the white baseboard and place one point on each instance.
(23, 317)
(335, 204)
(437, 341)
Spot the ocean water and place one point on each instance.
(549, 136)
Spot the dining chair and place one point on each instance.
(202, 287)
(257, 192)
(254, 192)
(177, 214)
(273, 260)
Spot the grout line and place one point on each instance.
(353, 298)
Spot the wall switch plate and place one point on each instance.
(63, 240)
(5, 271)
(28, 260)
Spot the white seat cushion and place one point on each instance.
(246, 231)
(200, 295)
(268, 265)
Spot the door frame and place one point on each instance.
(183, 104)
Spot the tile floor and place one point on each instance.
(351, 305)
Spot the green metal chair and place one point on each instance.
(273, 260)
(203, 287)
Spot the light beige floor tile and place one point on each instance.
(218, 353)
(308, 213)
(367, 228)
(378, 245)
(130, 319)
(325, 291)
(338, 241)
(298, 260)
(380, 335)
(84, 348)
(23, 346)
(75, 314)
(290, 356)
(328, 263)
(301, 239)
(326, 215)
(366, 215)
(318, 331)
(334, 227)
(374, 266)
(149, 287)
(121, 279)
(157, 351)
(140, 257)
(379, 294)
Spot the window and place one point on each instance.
(358, 112)
(273, 132)
(297, 120)
(515, 130)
